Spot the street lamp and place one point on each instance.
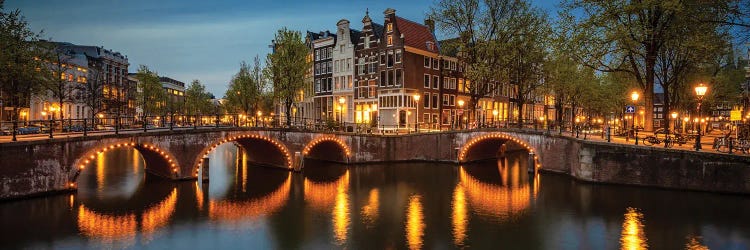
(342, 100)
(461, 106)
(259, 113)
(674, 125)
(416, 116)
(634, 96)
(700, 91)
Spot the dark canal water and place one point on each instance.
(493, 205)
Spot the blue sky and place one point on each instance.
(203, 40)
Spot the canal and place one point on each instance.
(488, 205)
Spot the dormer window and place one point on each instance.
(390, 40)
(430, 46)
(389, 27)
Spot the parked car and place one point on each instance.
(73, 128)
(102, 127)
(29, 130)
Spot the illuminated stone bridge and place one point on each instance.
(37, 167)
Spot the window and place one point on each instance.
(317, 85)
(348, 64)
(330, 66)
(435, 63)
(390, 40)
(435, 82)
(390, 58)
(427, 81)
(382, 58)
(426, 117)
(426, 100)
(460, 84)
(434, 101)
(399, 77)
(453, 83)
(453, 100)
(391, 78)
(349, 82)
(398, 56)
(382, 79)
(317, 54)
(389, 27)
(445, 100)
(427, 62)
(367, 42)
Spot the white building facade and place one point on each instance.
(343, 71)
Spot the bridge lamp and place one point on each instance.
(416, 107)
(700, 91)
(260, 113)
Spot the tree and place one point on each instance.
(57, 83)
(152, 96)
(628, 36)
(246, 89)
(197, 99)
(287, 66)
(500, 41)
(21, 66)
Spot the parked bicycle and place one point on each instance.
(668, 140)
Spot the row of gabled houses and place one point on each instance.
(395, 74)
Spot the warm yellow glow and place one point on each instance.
(414, 223)
(198, 196)
(322, 195)
(342, 100)
(634, 96)
(460, 216)
(44, 113)
(101, 115)
(107, 228)
(674, 115)
(498, 201)
(686, 119)
(158, 216)
(416, 97)
(370, 212)
(460, 103)
(228, 211)
(633, 237)
(495, 112)
(700, 90)
(340, 214)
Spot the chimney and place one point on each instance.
(389, 11)
(431, 24)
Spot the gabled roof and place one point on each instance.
(354, 35)
(416, 35)
(377, 29)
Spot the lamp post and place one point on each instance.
(416, 116)
(674, 124)
(461, 106)
(342, 100)
(257, 118)
(700, 91)
(634, 96)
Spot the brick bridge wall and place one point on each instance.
(38, 167)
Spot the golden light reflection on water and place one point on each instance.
(370, 212)
(633, 237)
(335, 195)
(123, 228)
(158, 216)
(230, 211)
(460, 216)
(414, 223)
(100, 161)
(198, 196)
(493, 200)
(694, 243)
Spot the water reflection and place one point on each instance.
(332, 195)
(489, 205)
(414, 223)
(370, 211)
(633, 237)
(110, 228)
(233, 211)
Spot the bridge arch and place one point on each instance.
(315, 149)
(158, 161)
(489, 145)
(279, 155)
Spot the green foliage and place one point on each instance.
(287, 67)
(197, 99)
(247, 89)
(21, 67)
(59, 88)
(498, 41)
(152, 97)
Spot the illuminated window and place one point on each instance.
(390, 39)
(389, 27)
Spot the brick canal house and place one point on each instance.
(343, 71)
(323, 102)
(366, 79)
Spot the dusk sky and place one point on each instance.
(205, 40)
